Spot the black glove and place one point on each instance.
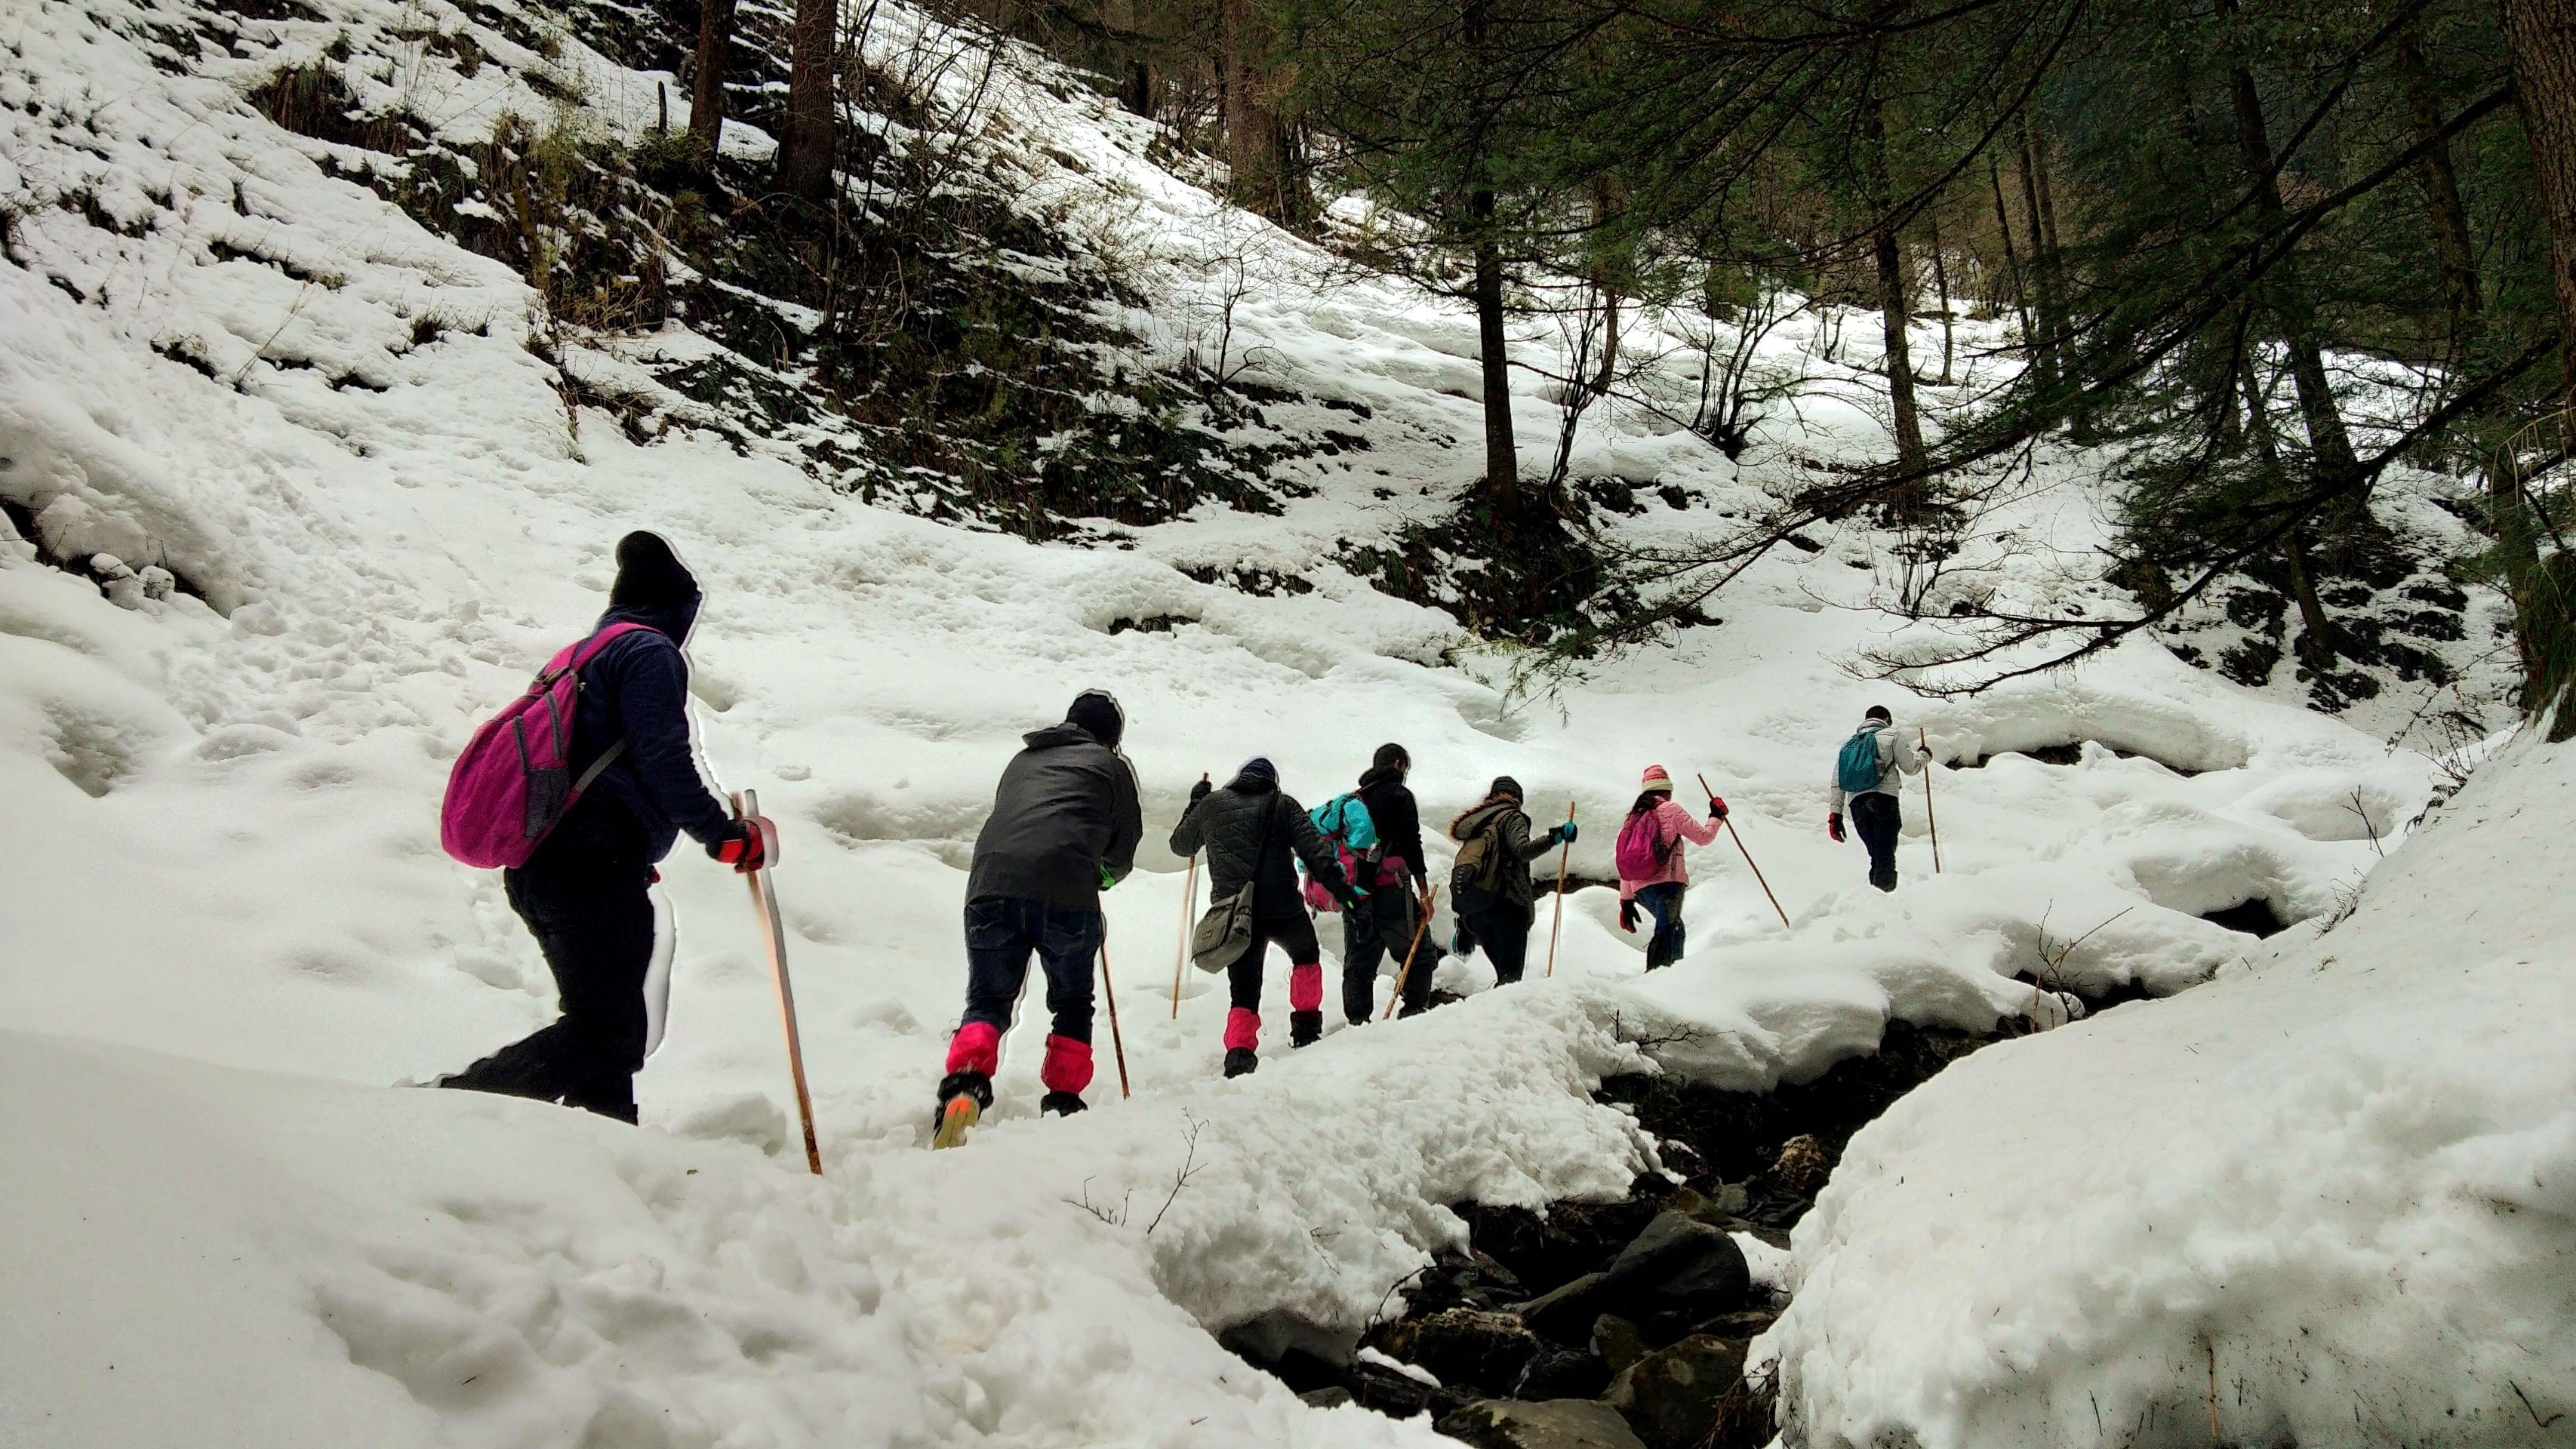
(1348, 894)
(1628, 916)
(1199, 791)
(1834, 826)
(1716, 808)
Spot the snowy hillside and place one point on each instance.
(346, 512)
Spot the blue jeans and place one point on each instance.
(1663, 901)
(1001, 931)
(1878, 820)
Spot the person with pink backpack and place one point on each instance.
(578, 790)
(1652, 871)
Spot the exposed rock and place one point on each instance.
(1743, 1323)
(1466, 1348)
(1392, 1391)
(1617, 1341)
(1671, 1397)
(1802, 1166)
(1565, 1313)
(1549, 1424)
(1679, 1270)
(1564, 1373)
(1332, 1396)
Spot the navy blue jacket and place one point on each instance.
(637, 689)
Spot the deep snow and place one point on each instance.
(221, 860)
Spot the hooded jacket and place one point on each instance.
(1065, 813)
(1399, 822)
(637, 689)
(1898, 756)
(1228, 824)
(1515, 891)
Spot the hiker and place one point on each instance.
(1250, 828)
(1064, 828)
(1384, 926)
(584, 892)
(1652, 870)
(1490, 886)
(1868, 771)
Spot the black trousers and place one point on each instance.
(1381, 930)
(1504, 933)
(1663, 902)
(583, 896)
(1294, 934)
(1878, 820)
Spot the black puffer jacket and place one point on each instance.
(1398, 823)
(1228, 824)
(1066, 810)
(1517, 892)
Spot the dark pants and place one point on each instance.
(1663, 901)
(1876, 817)
(1381, 929)
(1294, 934)
(583, 895)
(1002, 931)
(1504, 933)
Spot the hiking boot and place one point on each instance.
(1305, 1028)
(1060, 1104)
(963, 1096)
(1241, 1061)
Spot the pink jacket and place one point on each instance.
(1671, 820)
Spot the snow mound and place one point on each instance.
(2328, 1200)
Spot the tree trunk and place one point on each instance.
(1502, 460)
(1610, 276)
(1260, 148)
(2442, 195)
(2319, 639)
(2043, 268)
(706, 91)
(1894, 315)
(1941, 279)
(2326, 435)
(2012, 261)
(805, 152)
(2541, 36)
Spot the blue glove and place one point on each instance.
(1565, 833)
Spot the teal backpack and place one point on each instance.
(1858, 769)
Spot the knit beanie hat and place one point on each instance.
(1096, 713)
(1505, 785)
(1877, 712)
(649, 574)
(1656, 779)
(1259, 766)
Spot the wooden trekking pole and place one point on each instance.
(1189, 899)
(1930, 820)
(1109, 993)
(773, 934)
(1404, 973)
(1731, 834)
(1557, 923)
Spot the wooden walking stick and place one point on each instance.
(1731, 834)
(773, 934)
(1929, 819)
(1404, 973)
(1109, 993)
(1189, 900)
(1558, 921)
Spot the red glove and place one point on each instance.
(1834, 826)
(742, 850)
(1716, 807)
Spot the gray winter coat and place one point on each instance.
(1065, 811)
(1517, 891)
(1227, 823)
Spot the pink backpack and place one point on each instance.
(514, 780)
(1642, 850)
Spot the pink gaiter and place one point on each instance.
(1306, 987)
(1067, 1067)
(1242, 1029)
(977, 1047)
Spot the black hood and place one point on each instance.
(1380, 775)
(653, 587)
(1057, 736)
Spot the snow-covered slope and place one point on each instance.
(373, 516)
(2330, 1199)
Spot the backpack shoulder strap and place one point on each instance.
(590, 647)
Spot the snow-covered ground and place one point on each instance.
(221, 861)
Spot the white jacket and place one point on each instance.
(1898, 756)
